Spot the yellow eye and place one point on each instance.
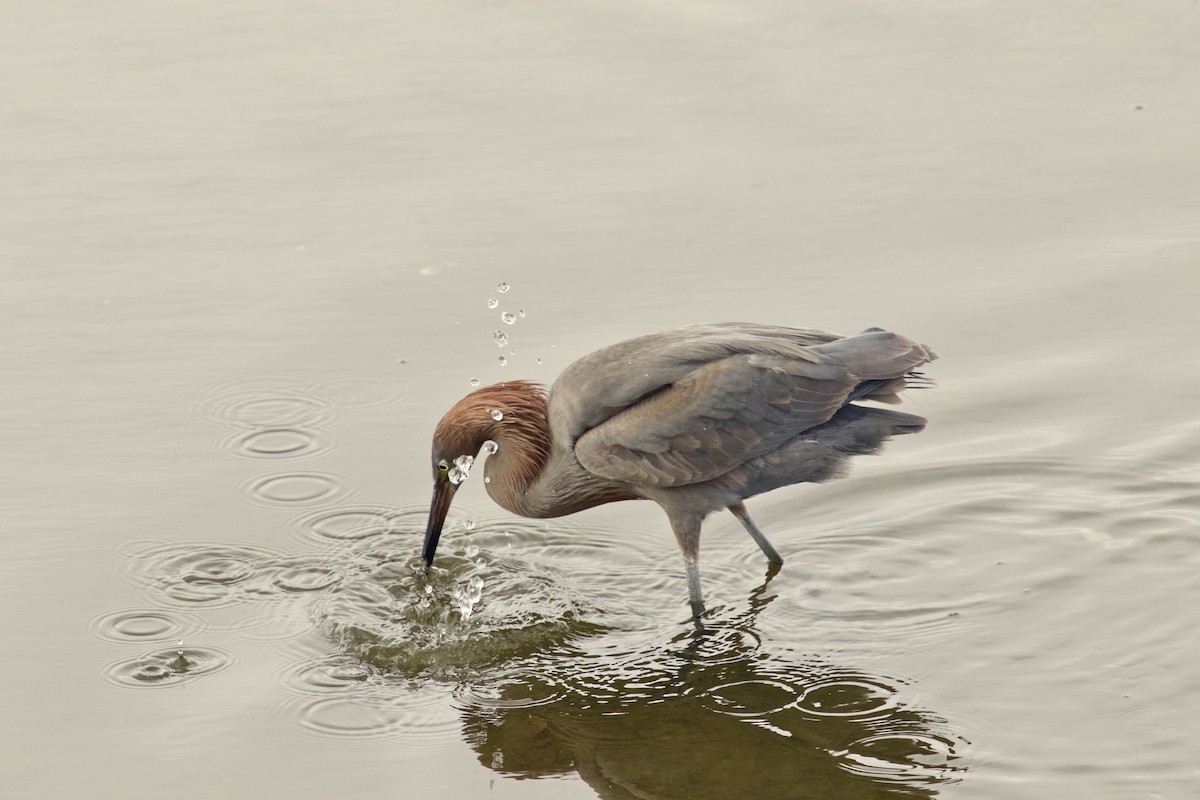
(443, 466)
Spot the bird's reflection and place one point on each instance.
(712, 715)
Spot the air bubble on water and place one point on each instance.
(474, 381)
(508, 318)
(503, 361)
(497, 414)
(502, 287)
(500, 337)
(490, 447)
(493, 302)
(469, 524)
(461, 469)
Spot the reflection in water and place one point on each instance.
(710, 715)
(677, 711)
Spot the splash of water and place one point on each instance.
(467, 596)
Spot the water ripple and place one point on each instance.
(847, 696)
(363, 392)
(168, 667)
(397, 713)
(291, 489)
(362, 521)
(263, 402)
(143, 625)
(213, 574)
(278, 443)
(904, 758)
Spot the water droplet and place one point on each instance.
(472, 551)
(503, 361)
(493, 302)
(461, 469)
(474, 381)
(502, 287)
(497, 414)
(501, 338)
(490, 447)
(508, 318)
(429, 588)
(469, 524)
(539, 361)
(521, 312)
(487, 479)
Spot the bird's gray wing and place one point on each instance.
(715, 418)
(603, 383)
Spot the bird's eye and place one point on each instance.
(443, 466)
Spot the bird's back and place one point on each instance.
(607, 381)
(702, 401)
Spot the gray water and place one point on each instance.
(247, 251)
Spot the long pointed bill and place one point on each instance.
(443, 493)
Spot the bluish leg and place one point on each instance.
(695, 597)
(739, 511)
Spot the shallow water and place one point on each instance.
(250, 254)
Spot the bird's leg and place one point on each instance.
(695, 597)
(739, 511)
(687, 534)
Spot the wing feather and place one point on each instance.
(714, 419)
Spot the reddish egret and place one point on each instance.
(696, 419)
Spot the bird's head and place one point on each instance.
(482, 416)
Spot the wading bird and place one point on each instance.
(696, 419)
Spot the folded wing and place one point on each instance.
(723, 412)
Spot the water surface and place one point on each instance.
(251, 253)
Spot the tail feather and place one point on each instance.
(878, 355)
